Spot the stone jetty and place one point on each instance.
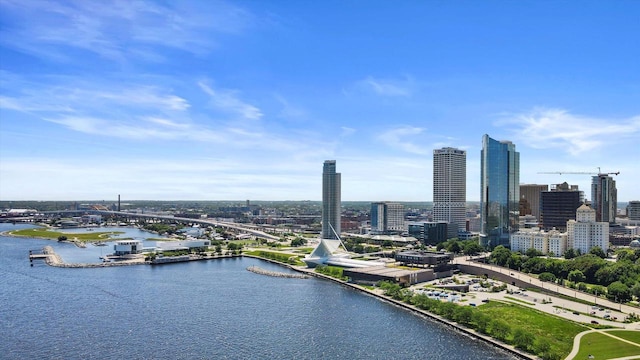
(257, 270)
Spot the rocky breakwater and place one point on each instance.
(257, 270)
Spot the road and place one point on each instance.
(516, 275)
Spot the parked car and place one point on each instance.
(594, 322)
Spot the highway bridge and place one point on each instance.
(242, 228)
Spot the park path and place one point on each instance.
(576, 344)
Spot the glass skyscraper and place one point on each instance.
(331, 205)
(604, 198)
(500, 191)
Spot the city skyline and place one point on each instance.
(242, 100)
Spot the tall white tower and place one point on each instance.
(331, 204)
(450, 188)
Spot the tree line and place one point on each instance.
(619, 280)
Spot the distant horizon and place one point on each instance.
(245, 99)
(238, 201)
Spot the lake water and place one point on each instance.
(201, 310)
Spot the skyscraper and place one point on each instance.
(604, 198)
(500, 191)
(331, 208)
(450, 188)
(559, 206)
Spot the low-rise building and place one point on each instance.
(126, 247)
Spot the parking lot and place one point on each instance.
(480, 292)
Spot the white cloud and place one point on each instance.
(386, 87)
(401, 138)
(227, 100)
(288, 110)
(119, 30)
(577, 134)
(347, 131)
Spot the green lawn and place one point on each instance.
(50, 234)
(559, 332)
(630, 335)
(604, 347)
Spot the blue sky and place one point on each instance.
(216, 100)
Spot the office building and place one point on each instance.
(331, 205)
(585, 232)
(604, 197)
(530, 199)
(633, 210)
(450, 188)
(387, 218)
(500, 191)
(559, 206)
(429, 232)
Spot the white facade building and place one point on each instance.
(450, 188)
(557, 243)
(547, 242)
(585, 233)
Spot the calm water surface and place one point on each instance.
(201, 310)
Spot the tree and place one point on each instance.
(500, 329)
(463, 315)
(597, 251)
(570, 254)
(546, 276)
(541, 346)
(635, 290)
(531, 252)
(619, 292)
(387, 244)
(481, 321)
(454, 247)
(523, 339)
(576, 276)
(500, 255)
(62, 238)
(471, 248)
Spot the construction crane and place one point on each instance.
(599, 173)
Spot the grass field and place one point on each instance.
(49, 234)
(627, 335)
(601, 346)
(559, 332)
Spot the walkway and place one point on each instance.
(576, 344)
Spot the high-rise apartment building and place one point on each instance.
(450, 188)
(604, 198)
(633, 210)
(387, 218)
(500, 191)
(331, 205)
(530, 194)
(559, 206)
(585, 232)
